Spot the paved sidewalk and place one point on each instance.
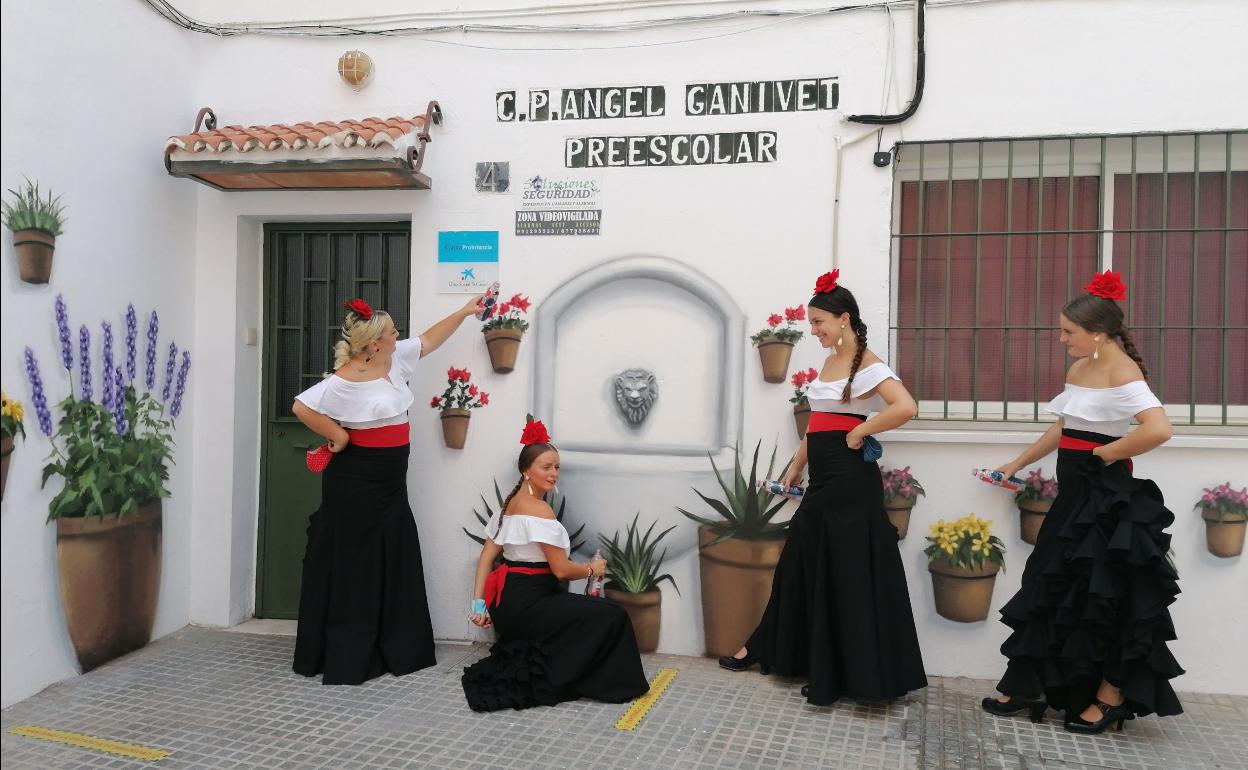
(218, 699)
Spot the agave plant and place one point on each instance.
(746, 510)
(484, 518)
(633, 567)
(31, 211)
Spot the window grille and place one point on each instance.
(991, 237)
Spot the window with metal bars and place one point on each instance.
(992, 237)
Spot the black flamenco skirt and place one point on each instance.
(363, 611)
(839, 613)
(1095, 592)
(554, 646)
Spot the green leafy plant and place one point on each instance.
(746, 511)
(32, 211)
(781, 328)
(632, 567)
(484, 518)
(507, 315)
(967, 542)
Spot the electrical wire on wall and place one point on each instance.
(411, 25)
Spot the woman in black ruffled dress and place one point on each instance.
(1090, 621)
(553, 646)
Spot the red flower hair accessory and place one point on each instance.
(360, 308)
(534, 433)
(1108, 285)
(827, 282)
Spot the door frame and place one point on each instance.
(268, 382)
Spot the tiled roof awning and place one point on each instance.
(368, 154)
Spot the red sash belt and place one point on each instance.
(1070, 442)
(380, 438)
(495, 580)
(827, 421)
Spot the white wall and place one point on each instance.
(86, 114)
(763, 232)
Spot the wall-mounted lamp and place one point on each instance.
(356, 68)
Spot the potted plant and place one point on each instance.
(775, 343)
(503, 332)
(1034, 501)
(1225, 511)
(557, 501)
(801, 406)
(112, 456)
(964, 557)
(35, 221)
(455, 403)
(633, 579)
(737, 554)
(901, 492)
(10, 426)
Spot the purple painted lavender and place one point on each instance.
(176, 407)
(84, 355)
(37, 397)
(169, 364)
(132, 336)
(119, 400)
(153, 330)
(106, 381)
(62, 328)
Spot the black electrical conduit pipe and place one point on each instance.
(920, 70)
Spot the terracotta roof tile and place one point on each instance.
(369, 132)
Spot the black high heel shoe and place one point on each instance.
(1115, 715)
(1035, 706)
(738, 664)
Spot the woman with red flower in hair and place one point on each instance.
(362, 609)
(1090, 622)
(553, 646)
(839, 613)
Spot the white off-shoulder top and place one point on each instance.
(826, 396)
(372, 404)
(520, 534)
(1103, 410)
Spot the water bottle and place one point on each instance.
(777, 488)
(593, 586)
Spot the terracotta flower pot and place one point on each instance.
(1225, 538)
(736, 583)
(6, 449)
(34, 254)
(962, 593)
(503, 345)
(899, 510)
(1031, 515)
(644, 610)
(775, 357)
(455, 427)
(801, 418)
(109, 568)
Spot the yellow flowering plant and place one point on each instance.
(967, 542)
(11, 414)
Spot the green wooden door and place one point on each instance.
(310, 270)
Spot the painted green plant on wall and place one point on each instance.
(113, 454)
(484, 518)
(32, 211)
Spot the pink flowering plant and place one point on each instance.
(460, 392)
(1037, 488)
(509, 315)
(1224, 503)
(801, 383)
(782, 328)
(899, 483)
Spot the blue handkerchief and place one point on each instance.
(871, 449)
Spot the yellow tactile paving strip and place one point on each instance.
(91, 742)
(642, 705)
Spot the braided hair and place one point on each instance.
(838, 302)
(1103, 315)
